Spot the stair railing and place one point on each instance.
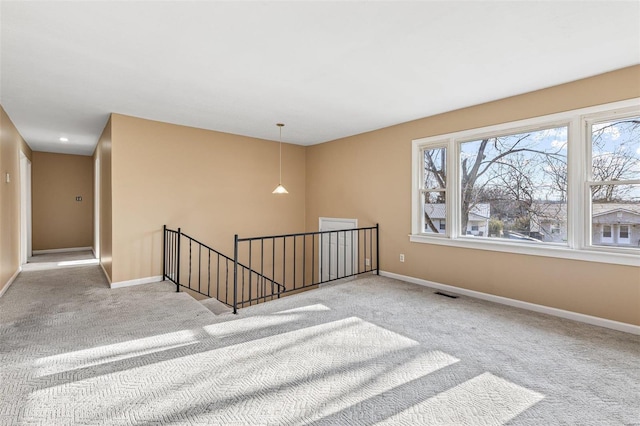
(195, 266)
(303, 260)
(264, 268)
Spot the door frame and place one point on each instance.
(96, 208)
(321, 222)
(25, 209)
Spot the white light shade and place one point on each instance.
(280, 190)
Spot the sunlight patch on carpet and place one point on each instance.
(484, 400)
(116, 352)
(319, 370)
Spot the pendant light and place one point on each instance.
(280, 189)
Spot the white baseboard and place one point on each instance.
(575, 316)
(62, 250)
(13, 277)
(138, 281)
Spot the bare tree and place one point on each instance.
(494, 162)
(621, 163)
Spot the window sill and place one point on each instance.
(558, 252)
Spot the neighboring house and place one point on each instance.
(549, 221)
(613, 224)
(616, 225)
(477, 225)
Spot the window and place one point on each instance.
(512, 179)
(607, 235)
(565, 185)
(623, 234)
(615, 177)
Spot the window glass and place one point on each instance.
(615, 193)
(435, 212)
(615, 152)
(434, 166)
(515, 186)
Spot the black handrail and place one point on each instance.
(354, 255)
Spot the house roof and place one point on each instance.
(558, 211)
(439, 211)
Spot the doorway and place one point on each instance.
(25, 209)
(338, 250)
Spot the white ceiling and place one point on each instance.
(326, 69)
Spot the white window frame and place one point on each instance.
(578, 245)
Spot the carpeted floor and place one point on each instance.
(370, 351)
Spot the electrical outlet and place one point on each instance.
(401, 257)
(367, 262)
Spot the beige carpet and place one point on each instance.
(370, 351)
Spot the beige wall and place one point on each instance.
(11, 143)
(59, 221)
(368, 177)
(103, 155)
(210, 184)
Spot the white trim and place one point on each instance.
(575, 316)
(532, 249)
(62, 250)
(137, 281)
(8, 284)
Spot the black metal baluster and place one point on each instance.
(344, 248)
(352, 251)
(364, 232)
(377, 249)
(304, 260)
(313, 258)
(263, 287)
(250, 278)
(235, 275)
(371, 248)
(284, 261)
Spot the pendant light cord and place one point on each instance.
(280, 177)
(280, 125)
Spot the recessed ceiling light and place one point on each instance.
(63, 139)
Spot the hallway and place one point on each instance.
(370, 351)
